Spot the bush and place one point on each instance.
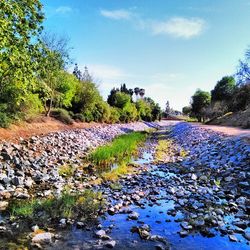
(31, 107)
(4, 120)
(101, 112)
(114, 115)
(62, 115)
(79, 117)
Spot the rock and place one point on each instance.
(133, 216)
(144, 234)
(35, 228)
(80, 224)
(43, 238)
(17, 181)
(241, 224)
(203, 178)
(183, 233)
(100, 233)
(219, 211)
(194, 177)
(110, 244)
(185, 226)
(232, 238)
(158, 238)
(3, 205)
(247, 235)
(159, 247)
(229, 178)
(111, 211)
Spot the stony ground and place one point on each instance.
(200, 185)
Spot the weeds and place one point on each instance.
(86, 204)
(66, 171)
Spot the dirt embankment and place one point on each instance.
(237, 119)
(41, 127)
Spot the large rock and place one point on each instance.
(3, 205)
(43, 238)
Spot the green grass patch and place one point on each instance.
(122, 147)
(86, 205)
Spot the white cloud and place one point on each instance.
(116, 14)
(63, 9)
(179, 27)
(106, 72)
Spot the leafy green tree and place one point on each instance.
(87, 95)
(224, 89)
(144, 110)
(112, 96)
(121, 99)
(156, 112)
(128, 113)
(186, 110)
(200, 101)
(20, 25)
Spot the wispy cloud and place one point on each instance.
(179, 27)
(117, 14)
(64, 9)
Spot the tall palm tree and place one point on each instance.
(136, 91)
(142, 93)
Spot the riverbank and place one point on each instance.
(195, 185)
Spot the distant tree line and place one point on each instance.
(34, 79)
(230, 94)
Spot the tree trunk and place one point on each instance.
(50, 107)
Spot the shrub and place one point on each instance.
(4, 120)
(79, 117)
(114, 115)
(101, 112)
(62, 115)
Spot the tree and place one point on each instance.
(111, 97)
(142, 93)
(156, 112)
(243, 73)
(121, 99)
(224, 89)
(167, 109)
(77, 72)
(136, 91)
(20, 25)
(86, 77)
(200, 100)
(186, 110)
(144, 110)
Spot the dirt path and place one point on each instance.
(230, 131)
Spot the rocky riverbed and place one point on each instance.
(194, 196)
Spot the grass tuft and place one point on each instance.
(119, 149)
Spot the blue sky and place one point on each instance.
(168, 47)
